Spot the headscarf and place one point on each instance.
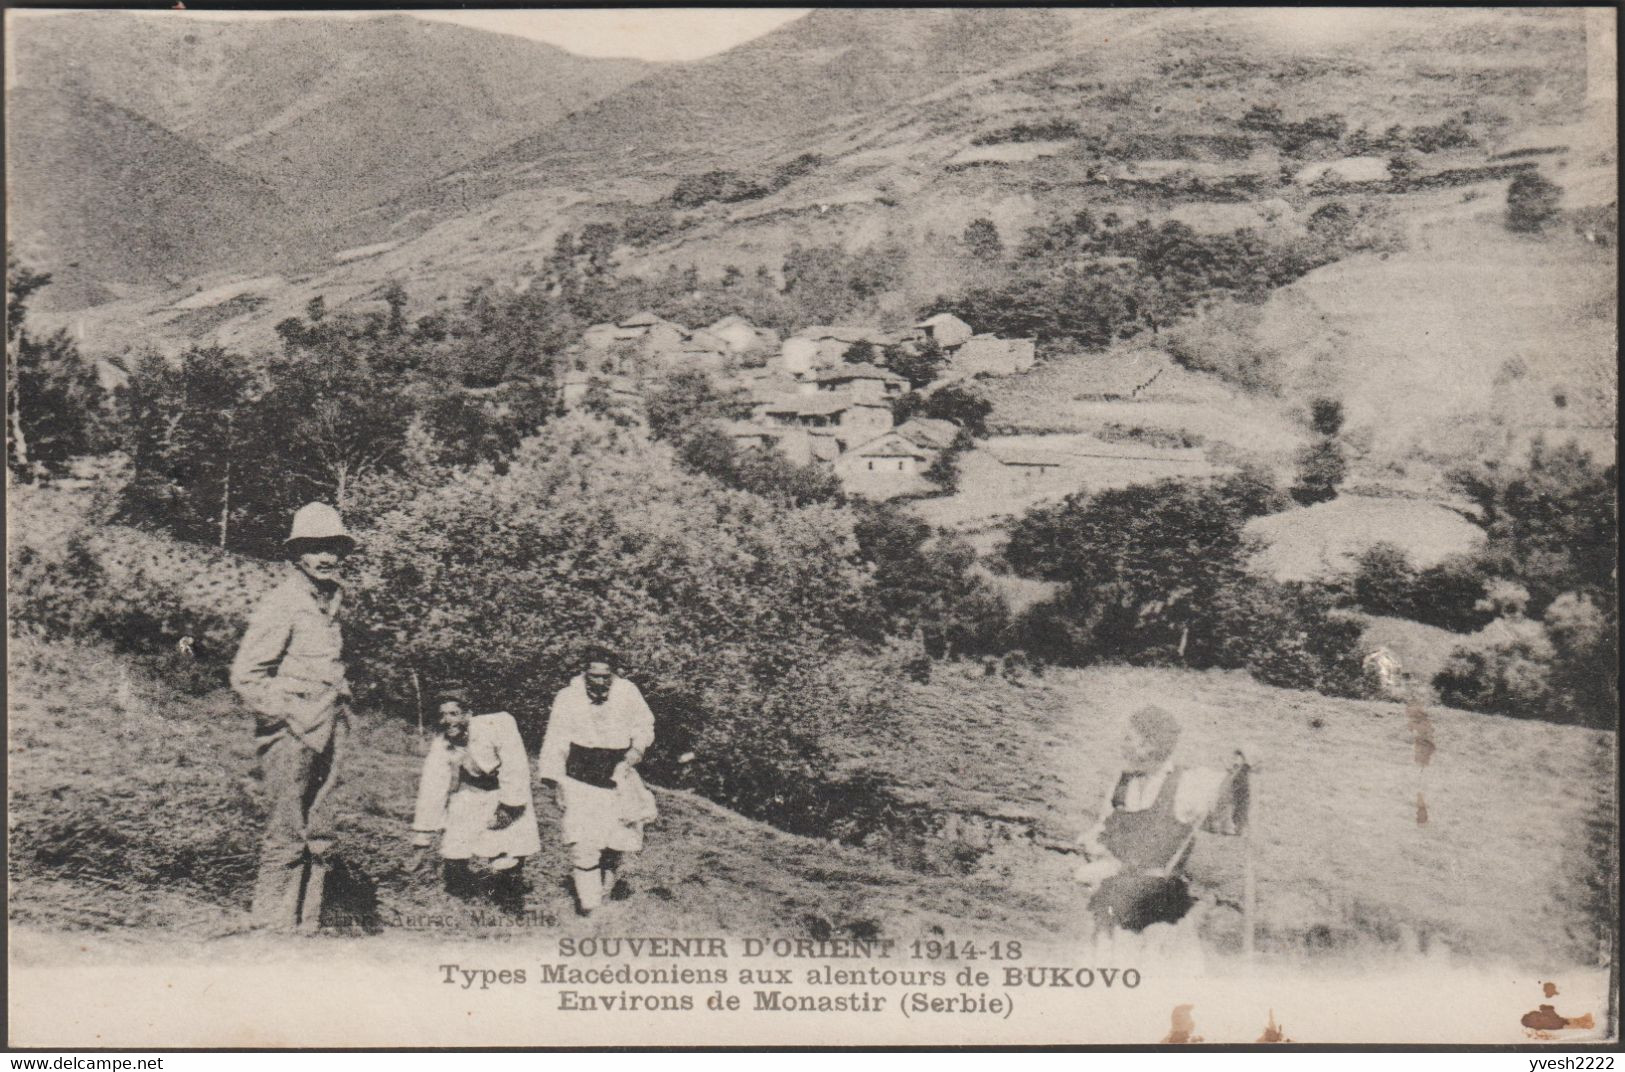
(1157, 726)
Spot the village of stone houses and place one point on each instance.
(908, 403)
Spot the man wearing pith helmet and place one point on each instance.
(289, 670)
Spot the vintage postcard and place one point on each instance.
(852, 526)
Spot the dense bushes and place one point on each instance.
(728, 608)
(719, 184)
(1549, 526)
(1322, 464)
(1089, 280)
(1157, 574)
(1447, 595)
(928, 583)
(1539, 598)
(1049, 130)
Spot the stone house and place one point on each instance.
(886, 466)
(945, 329)
(861, 381)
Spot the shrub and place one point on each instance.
(1157, 574)
(1512, 678)
(692, 191)
(728, 607)
(1049, 130)
(981, 239)
(1549, 522)
(1321, 469)
(1385, 581)
(1531, 201)
(1447, 595)
(928, 583)
(1286, 635)
(1563, 668)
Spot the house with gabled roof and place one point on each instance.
(852, 420)
(741, 337)
(932, 433)
(944, 329)
(890, 464)
(861, 380)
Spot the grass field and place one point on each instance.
(1501, 868)
(135, 813)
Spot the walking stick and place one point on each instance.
(1249, 868)
(417, 694)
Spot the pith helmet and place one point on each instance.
(318, 522)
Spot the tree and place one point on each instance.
(683, 401)
(1549, 522)
(981, 239)
(395, 297)
(1326, 416)
(927, 582)
(959, 404)
(731, 608)
(1322, 465)
(1143, 567)
(331, 419)
(53, 395)
(826, 283)
(1531, 201)
(1321, 469)
(182, 428)
(918, 363)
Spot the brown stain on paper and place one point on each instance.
(1422, 742)
(1544, 1020)
(1182, 1029)
(1273, 1032)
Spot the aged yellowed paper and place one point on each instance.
(851, 526)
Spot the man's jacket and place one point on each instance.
(289, 668)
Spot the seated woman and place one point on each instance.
(475, 787)
(1136, 851)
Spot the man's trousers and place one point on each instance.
(299, 829)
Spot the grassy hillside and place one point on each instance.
(1343, 863)
(916, 120)
(133, 806)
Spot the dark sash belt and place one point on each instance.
(595, 766)
(468, 778)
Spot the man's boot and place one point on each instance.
(508, 888)
(459, 878)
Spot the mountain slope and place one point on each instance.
(333, 113)
(824, 67)
(94, 187)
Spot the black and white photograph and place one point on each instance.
(686, 527)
